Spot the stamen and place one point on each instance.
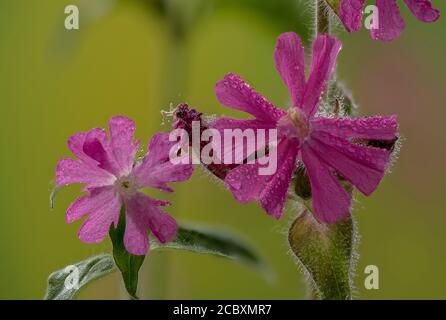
(168, 115)
(299, 122)
(126, 184)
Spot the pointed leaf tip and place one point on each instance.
(66, 283)
(219, 243)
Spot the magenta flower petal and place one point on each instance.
(350, 13)
(80, 208)
(391, 23)
(242, 124)
(156, 170)
(364, 167)
(331, 202)
(422, 9)
(376, 128)
(246, 184)
(122, 130)
(224, 123)
(233, 92)
(97, 147)
(104, 212)
(325, 52)
(163, 226)
(69, 171)
(290, 63)
(96, 199)
(160, 203)
(136, 239)
(143, 215)
(157, 151)
(76, 145)
(274, 193)
(93, 149)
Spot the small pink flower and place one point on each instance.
(112, 179)
(328, 147)
(391, 24)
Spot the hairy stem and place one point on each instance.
(322, 17)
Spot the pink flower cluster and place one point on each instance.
(391, 23)
(330, 149)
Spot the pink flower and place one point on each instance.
(328, 147)
(391, 24)
(112, 178)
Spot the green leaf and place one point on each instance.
(200, 240)
(327, 254)
(127, 263)
(216, 242)
(65, 284)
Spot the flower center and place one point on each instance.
(126, 186)
(294, 124)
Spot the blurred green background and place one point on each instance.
(123, 60)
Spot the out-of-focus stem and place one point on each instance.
(174, 85)
(175, 71)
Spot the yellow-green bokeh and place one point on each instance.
(54, 83)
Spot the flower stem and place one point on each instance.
(326, 252)
(322, 17)
(323, 26)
